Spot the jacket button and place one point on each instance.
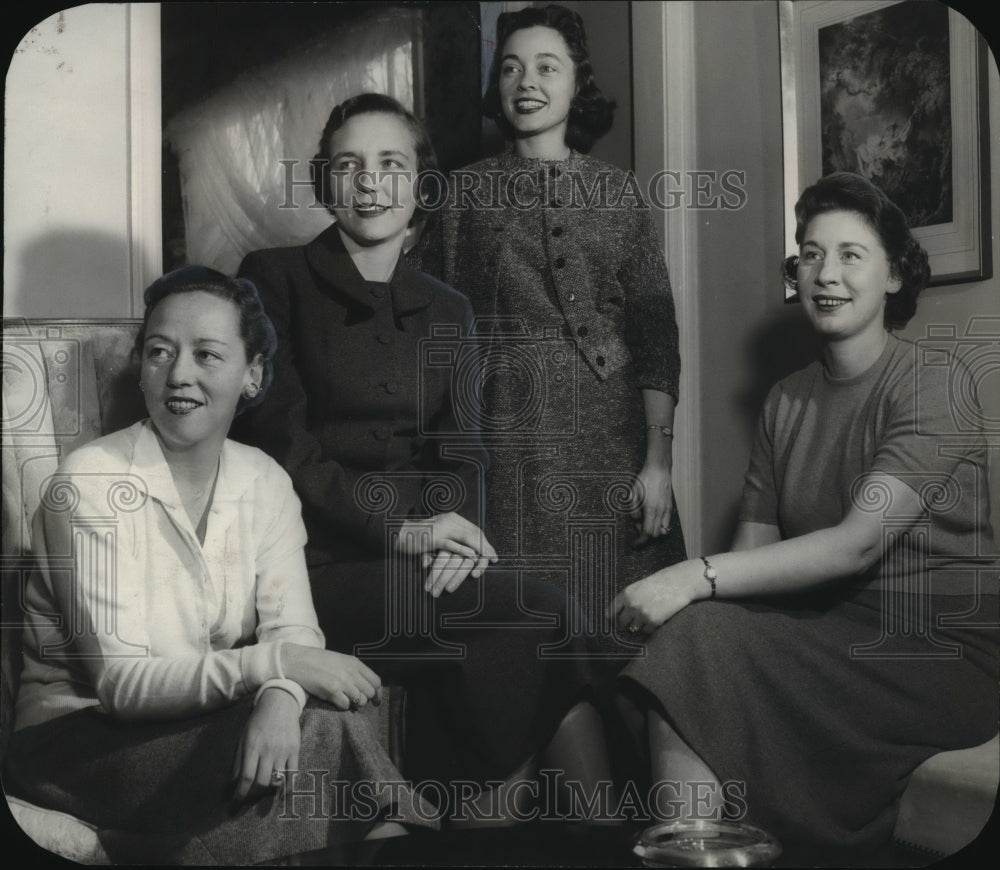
(570, 297)
(600, 360)
(559, 262)
(582, 331)
(557, 231)
(376, 291)
(384, 338)
(391, 387)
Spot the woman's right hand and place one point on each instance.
(452, 548)
(337, 678)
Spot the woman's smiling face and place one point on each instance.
(194, 368)
(843, 276)
(537, 82)
(373, 169)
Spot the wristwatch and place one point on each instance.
(711, 575)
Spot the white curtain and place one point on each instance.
(230, 146)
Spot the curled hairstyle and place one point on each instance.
(845, 191)
(591, 113)
(364, 104)
(256, 329)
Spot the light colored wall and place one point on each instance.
(738, 127)
(66, 204)
(749, 337)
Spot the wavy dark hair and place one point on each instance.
(364, 104)
(256, 329)
(845, 191)
(591, 113)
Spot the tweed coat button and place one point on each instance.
(582, 331)
(559, 262)
(600, 360)
(557, 231)
(570, 297)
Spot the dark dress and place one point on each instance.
(363, 416)
(819, 706)
(575, 313)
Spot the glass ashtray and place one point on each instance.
(704, 843)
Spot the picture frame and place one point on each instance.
(843, 110)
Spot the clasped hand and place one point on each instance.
(450, 548)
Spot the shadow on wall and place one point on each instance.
(781, 345)
(72, 273)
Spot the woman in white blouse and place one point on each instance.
(174, 672)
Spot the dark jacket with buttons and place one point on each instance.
(581, 228)
(361, 412)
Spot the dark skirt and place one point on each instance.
(160, 793)
(490, 669)
(821, 710)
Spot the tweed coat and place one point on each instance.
(352, 414)
(591, 236)
(575, 316)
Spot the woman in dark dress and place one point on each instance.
(386, 456)
(819, 673)
(566, 276)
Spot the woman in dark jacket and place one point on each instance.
(369, 418)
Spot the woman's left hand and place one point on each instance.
(652, 497)
(447, 571)
(269, 744)
(645, 605)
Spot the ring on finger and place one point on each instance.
(277, 777)
(633, 628)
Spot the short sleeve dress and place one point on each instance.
(575, 316)
(817, 707)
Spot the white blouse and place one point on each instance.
(127, 610)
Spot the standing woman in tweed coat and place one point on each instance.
(558, 254)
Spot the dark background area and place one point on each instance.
(205, 46)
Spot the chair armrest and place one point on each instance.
(950, 798)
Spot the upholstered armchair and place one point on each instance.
(64, 384)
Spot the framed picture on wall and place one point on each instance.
(894, 90)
